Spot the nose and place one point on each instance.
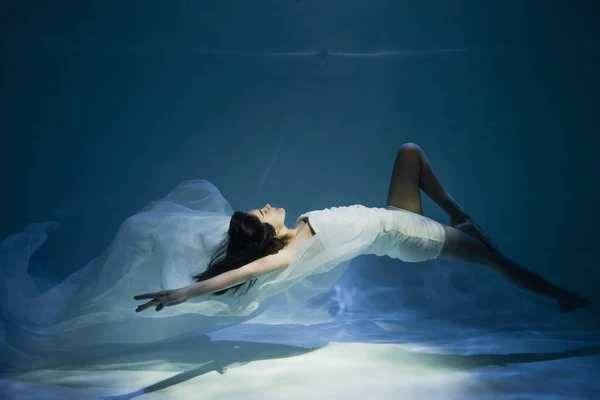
(268, 206)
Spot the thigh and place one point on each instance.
(411, 237)
(404, 191)
(458, 246)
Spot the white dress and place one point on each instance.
(92, 312)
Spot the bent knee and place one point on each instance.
(410, 150)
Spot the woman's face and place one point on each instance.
(271, 215)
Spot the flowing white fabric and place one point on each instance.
(92, 312)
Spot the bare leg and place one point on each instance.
(459, 246)
(413, 172)
(432, 186)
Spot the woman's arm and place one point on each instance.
(243, 274)
(223, 281)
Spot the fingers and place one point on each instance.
(159, 299)
(145, 296)
(146, 305)
(158, 304)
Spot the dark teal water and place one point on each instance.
(303, 104)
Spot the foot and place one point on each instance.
(464, 223)
(459, 218)
(572, 302)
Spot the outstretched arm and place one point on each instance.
(223, 281)
(243, 274)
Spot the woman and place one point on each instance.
(259, 245)
(226, 265)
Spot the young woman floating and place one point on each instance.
(258, 243)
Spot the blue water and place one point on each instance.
(304, 104)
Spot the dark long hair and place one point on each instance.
(247, 240)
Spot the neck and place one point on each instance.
(291, 233)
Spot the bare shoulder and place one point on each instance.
(304, 233)
(283, 257)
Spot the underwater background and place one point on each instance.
(107, 105)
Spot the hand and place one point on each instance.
(162, 299)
